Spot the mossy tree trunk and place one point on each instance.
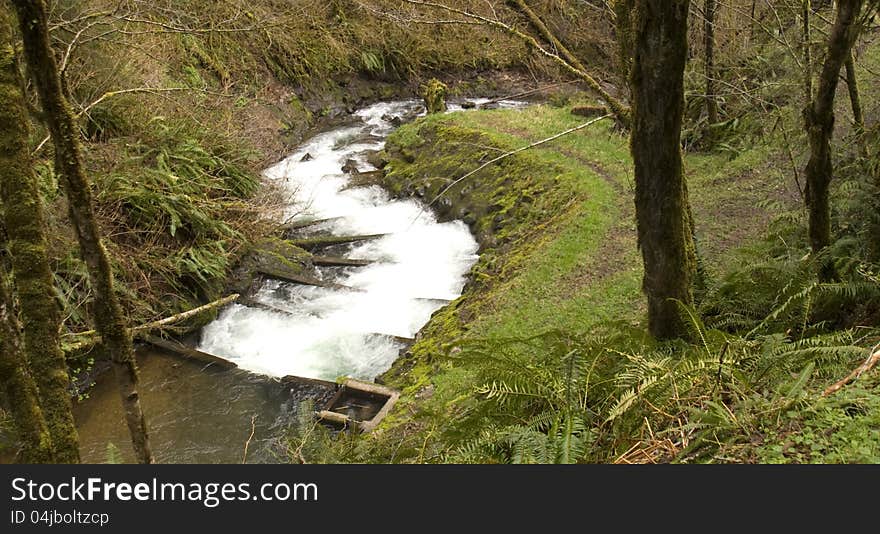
(709, 31)
(109, 319)
(806, 43)
(855, 100)
(623, 31)
(819, 122)
(19, 386)
(662, 209)
(25, 224)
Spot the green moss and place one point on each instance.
(434, 94)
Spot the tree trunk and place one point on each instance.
(623, 30)
(806, 35)
(25, 223)
(662, 209)
(855, 100)
(819, 122)
(709, 30)
(19, 385)
(109, 319)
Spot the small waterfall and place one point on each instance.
(329, 332)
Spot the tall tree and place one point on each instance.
(709, 31)
(623, 32)
(19, 385)
(819, 121)
(662, 211)
(25, 223)
(806, 44)
(855, 100)
(109, 319)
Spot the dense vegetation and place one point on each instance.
(549, 356)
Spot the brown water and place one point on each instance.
(196, 414)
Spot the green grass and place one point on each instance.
(571, 268)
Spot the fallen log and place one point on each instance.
(303, 280)
(92, 337)
(326, 241)
(299, 225)
(187, 352)
(334, 261)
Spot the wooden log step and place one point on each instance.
(428, 299)
(252, 303)
(299, 225)
(334, 261)
(329, 240)
(301, 279)
(182, 350)
(399, 339)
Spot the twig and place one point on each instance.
(248, 442)
(621, 112)
(859, 371)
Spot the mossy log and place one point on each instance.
(92, 337)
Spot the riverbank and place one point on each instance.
(557, 285)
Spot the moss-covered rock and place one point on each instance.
(434, 93)
(269, 254)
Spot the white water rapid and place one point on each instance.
(418, 266)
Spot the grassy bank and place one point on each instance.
(182, 104)
(545, 357)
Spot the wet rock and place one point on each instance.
(467, 104)
(377, 158)
(394, 120)
(350, 167)
(307, 157)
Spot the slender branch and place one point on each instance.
(620, 111)
(161, 323)
(873, 358)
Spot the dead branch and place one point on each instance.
(621, 112)
(545, 32)
(866, 366)
(94, 338)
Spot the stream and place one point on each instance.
(200, 414)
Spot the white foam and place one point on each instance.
(329, 333)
